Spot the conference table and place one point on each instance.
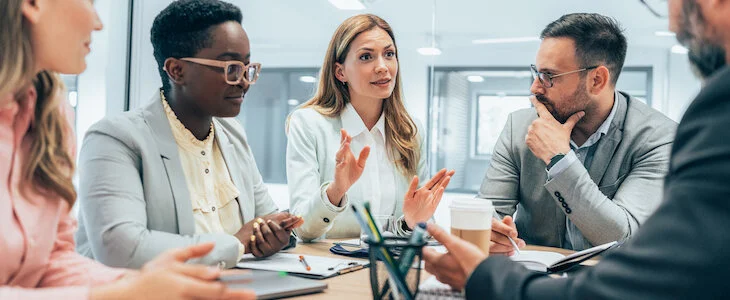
(356, 285)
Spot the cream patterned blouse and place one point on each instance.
(212, 191)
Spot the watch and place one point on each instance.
(555, 160)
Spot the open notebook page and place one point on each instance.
(537, 260)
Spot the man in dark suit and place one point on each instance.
(683, 250)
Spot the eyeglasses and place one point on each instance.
(235, 71)
(658, 8)
(547, 79)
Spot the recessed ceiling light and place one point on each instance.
(507, 40)
(73, 98)
(475, 78)
(308, 79)
(292, 102)
(664, 33)
(679, 49)
(429, 51)
(348, 4)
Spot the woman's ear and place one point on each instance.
(340, 73)
(32, 10)
(175, 70)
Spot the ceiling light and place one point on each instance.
(73, 98)
(664, 33)
(507, 40)
(515, 74)
(292, 102)
(429, 51)
(348, 4)
(308, 79)
(475, 78)
(679, 49)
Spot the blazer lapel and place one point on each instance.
(608, 144)
(156, 119)
(232, 162)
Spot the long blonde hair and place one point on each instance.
(48, 167)
(401, 133)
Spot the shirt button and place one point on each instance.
(207, 171)
(212, 208)
(326, 220)
(202, 152)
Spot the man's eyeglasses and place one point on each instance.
(234, 71)
(658, 8)
(546, 79)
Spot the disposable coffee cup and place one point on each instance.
(471, 220)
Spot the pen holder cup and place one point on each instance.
(388, 267)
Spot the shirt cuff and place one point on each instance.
(327, 203)
(561, 165)
(241, 250)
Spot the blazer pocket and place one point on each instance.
(610, 189)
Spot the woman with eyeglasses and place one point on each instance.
(179, 170)
(37, 153)
(354, 141)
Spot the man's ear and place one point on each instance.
(175, 70)
(599, 79)
(340, 72)
(32, 10)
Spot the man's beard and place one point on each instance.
(706, 59)
(576, 103)
(705, 56)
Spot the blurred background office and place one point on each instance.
(464, 63)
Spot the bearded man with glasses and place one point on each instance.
(179, 171)
(585, 166)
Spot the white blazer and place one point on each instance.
(313, 140)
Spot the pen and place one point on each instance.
(304, 261)
(517, 249)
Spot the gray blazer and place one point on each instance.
(606, 203)
(133, 197)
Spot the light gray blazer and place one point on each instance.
(606, 203)
(133, 196)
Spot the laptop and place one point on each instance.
(273, 285)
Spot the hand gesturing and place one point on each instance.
(420, 204)
(347, 170)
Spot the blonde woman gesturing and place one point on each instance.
(358, 108)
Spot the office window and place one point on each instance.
(469, 109)
(265, 109)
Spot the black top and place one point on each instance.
(682, 251)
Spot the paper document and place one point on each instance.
(321, 267)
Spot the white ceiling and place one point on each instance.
(281, 25)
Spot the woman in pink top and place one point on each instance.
(37, 258)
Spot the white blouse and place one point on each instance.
(313, 141)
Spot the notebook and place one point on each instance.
(432, 289)
(272, 285)
(552, 262)
(321, 267)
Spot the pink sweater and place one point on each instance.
(37, 258)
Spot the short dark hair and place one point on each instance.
(183, 28)
(599, 40)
